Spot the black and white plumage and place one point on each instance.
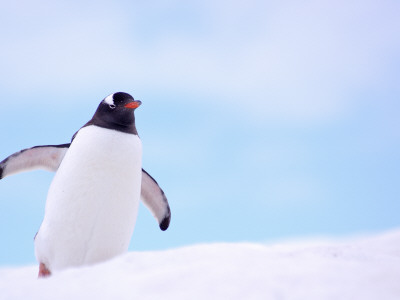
(92, 202)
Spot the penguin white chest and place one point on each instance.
(93, 200)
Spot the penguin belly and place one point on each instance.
(92, 203)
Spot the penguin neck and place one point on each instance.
(130, 128)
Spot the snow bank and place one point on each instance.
(363, 268)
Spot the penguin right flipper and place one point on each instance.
(154, 198)
(47, 157)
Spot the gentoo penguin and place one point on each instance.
(92, 202)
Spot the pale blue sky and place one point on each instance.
(261, 120)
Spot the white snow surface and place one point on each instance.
(358, 268)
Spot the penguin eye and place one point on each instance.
(112, 106)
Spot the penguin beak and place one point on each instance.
(134, 104)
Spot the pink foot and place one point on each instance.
(43, 271)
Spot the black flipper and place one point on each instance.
(47, 157)
(154, 198)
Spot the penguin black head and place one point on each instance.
(116, 112)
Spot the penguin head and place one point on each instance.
(116, 111)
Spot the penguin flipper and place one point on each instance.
(47, 157)
(155, 200)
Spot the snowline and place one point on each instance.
(361, 268)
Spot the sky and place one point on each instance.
(261, 120)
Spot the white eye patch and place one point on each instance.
(109, 100)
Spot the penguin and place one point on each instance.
(93, 199)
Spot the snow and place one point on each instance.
(359, 268)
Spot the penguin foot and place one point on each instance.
(43, 271)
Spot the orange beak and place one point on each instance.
(134, 104)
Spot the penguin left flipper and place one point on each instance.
(154, 198)
(47, 157)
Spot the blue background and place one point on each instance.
(261, 120)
